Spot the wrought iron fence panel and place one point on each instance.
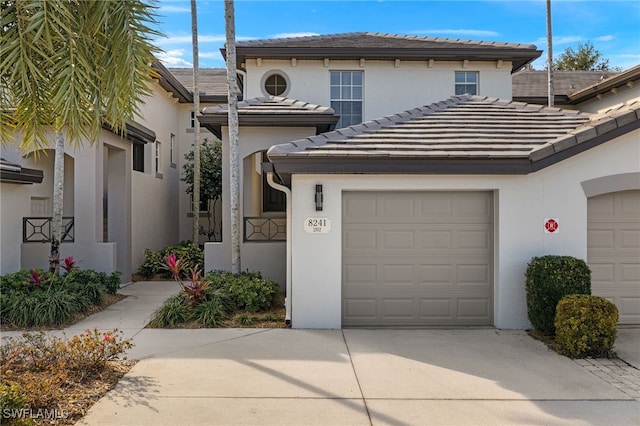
(38, 230)
(258, 229)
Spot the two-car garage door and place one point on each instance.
(417, 258)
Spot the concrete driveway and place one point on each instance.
(356, 377)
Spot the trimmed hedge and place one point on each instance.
(549, 279)
(585, 326)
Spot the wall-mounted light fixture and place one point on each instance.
(319, 198)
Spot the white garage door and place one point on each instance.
(417, 258)
(613, 242)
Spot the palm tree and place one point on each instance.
(232, 79)
(71, 66)
(196, 130)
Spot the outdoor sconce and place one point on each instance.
(319, 198)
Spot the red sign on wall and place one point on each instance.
(551, 226)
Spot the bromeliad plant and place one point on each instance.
(196, 289)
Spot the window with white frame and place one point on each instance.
(346, 96)
(172, 150)
(466, 82)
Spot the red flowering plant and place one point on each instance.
(37, 278)
(69, 264)
(196, 289)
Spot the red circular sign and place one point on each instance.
(551, 225)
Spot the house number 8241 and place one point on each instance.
(317, 225)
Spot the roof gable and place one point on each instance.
(464, 134)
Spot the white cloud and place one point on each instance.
(460, 31)
(293, 35)
(605, 38)
(174, 58)
(174, 9)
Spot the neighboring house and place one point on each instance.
(122, 194)
(531, 86)
(427, 216)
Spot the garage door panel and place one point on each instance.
(613, 251)
(361, 239)
(473, 308)
(398, 274)
(398, 308)
(360, 274)
(432, 257)
(475, 275)
(473, 239)
(438, 274)
(397, 206)
(397, 239)
(360, 309)
(630, 238)
(436, 309)
(629, 307)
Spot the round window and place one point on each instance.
(275, 84)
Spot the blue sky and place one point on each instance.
(613, 26)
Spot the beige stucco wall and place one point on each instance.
(388, 89)
(267, 257)
(154, 197)
(522, 203)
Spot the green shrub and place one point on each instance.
(548, 279)
(210, 313)
(111, 282)
(15, 281)
(172, 313)
(154, 261)
(251, 292)
(585, 326)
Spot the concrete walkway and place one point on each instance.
(349, 377)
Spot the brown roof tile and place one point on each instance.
(462, 131)
(532, 85)
(367, 45)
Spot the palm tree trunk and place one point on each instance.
(196, 130)
(58, 204)
(233, 135)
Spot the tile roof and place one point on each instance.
(627, 78)
(532, 84)
(271, 111)
(213, 81)
(367, 45)
(464, 134)
(378, 40)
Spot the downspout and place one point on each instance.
(287, 192)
